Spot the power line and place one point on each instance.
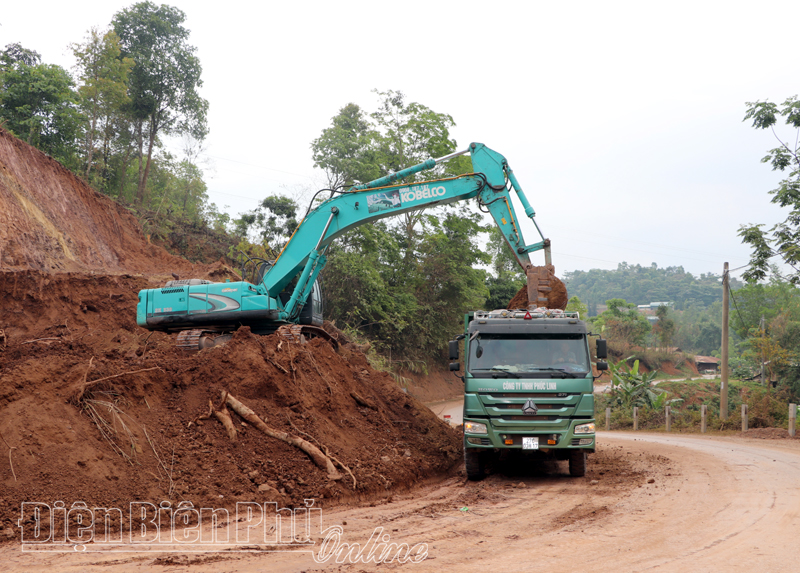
(736, 306)
(618, 262)
(232, 195)
(585, 258)
(660, 254)
(259, 166)
(660, 245)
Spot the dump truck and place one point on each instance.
(528, 386)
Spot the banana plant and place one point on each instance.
(633, 388)
(663, 399)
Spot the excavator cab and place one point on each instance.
(312, 311)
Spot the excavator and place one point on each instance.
(284, 295)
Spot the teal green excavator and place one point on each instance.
(284, 294)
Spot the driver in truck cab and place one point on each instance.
(564, 354)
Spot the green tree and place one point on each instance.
(363, 291)
(38, 103)
(508, 277)
(664, 329)
(411, 133)
(754, 301)
(178, 198)
(699, 330)
(574, 304)
(103, 94)
(346, 150)
(783, 238)
(630, 387)
(272, 222)
(163, 81)
(452, 282)
(404, 282)
(359, 148)
(15, 54)
(763, 349)
(622, 323)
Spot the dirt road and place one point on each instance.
(650, 502)
(449, 410)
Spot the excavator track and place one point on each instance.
(189, 339)
(198, 339)
(300, 333)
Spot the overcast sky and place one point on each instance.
(622, 120)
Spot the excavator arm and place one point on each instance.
(197, 307)
(489, 182)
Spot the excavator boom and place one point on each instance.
(197, 305)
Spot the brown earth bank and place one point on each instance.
(138, 433)
(51, 220)
(94, 408)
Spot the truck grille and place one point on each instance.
(526, 395)
(527, 418)
(539, 406)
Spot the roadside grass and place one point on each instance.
(767, 407)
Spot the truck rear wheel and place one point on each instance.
(474, 463)
(577, 463)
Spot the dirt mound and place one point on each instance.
(558, 296)
(137, 434)
(51, 220)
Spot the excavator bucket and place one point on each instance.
(544, 289)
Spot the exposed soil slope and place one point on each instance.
(51, 220)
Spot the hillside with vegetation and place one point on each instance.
(644, 285)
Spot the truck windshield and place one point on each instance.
(528, 353)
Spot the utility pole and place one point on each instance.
(762, 330)
(723, 387)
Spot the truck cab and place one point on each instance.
(528, 387)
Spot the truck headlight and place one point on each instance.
(475, 428)
(585, 428)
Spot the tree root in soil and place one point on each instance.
(10, 449)
(327, 451)
(225, 417)
(316, 455)
(78, 396)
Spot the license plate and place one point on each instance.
(530, 443)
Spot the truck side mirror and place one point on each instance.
(602, 366)
(454, 366)
(602, 348)
(453, 348)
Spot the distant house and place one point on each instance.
(649, 310)
(707, 364)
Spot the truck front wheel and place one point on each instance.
(577, 463)
(474, 463)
